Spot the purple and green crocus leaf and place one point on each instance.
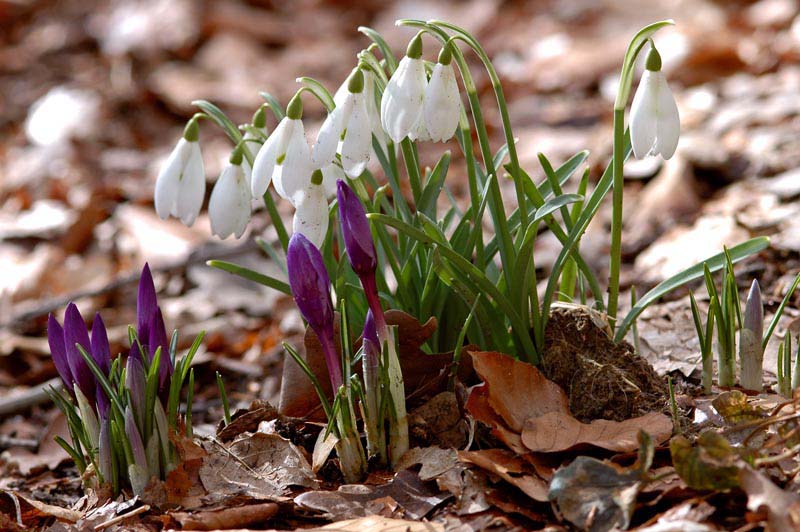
(75, 334)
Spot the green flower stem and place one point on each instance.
(616, 217)
(412, 167)
(474, 191)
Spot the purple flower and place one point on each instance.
(68, 360)
(355, 229)
(150, 328)
(360, 248)
(75, 334)
(369, 337)
(311, 288)
(135, 438)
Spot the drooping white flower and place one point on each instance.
(311, 204)
(401, 105)
(285, 157)
(259, 122)
(229, 206)
(181, 182)
(442, 104)
(655, 123)
(347, 129)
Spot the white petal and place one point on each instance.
(168, 180)
(644, 117)
(251, 147)
(229, 206)
(373, 111)
(294, 171)
(357, 143)
(311, 216)
(330, 175)
(192, 188)
(419, 132)
(669, 121)
(331, 132)
(442, 106)
(264, 164)
(401, 104)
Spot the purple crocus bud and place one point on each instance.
(355, 229)
(75, 334)
(135, 382)
(311, 288)
(101, 354)
(146, 304)
(360, 248)
(156, 339)
(55, 337)
(135, 438)
(104, 461)
(369, 337)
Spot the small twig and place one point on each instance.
(17, 508)
(120, 518)
(33, 396)
(7, 442)
(198, 256)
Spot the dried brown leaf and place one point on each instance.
(510, 468)
(227, 518)
(712, 464)
(783, 507)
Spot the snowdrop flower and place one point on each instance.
(441, 109)
(181, 183)
(350, 122)
(229, 206)
(285, 157)
(401, 105)
(258, 122)
(655, 123)
(311, 204)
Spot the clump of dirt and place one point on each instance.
(602, 379)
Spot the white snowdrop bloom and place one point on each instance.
(229, 206)
(347, 129)
(401, 105)
(285, 157)
(373, 111)
(442, 104)
(311, 209)
(181, 183)
(258, 122)
(655, 123)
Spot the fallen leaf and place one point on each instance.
(259, 465)
(783, 507)
(49, 454)
(435, 461)
(510, 468)
(376, 523)
(227, 518)
(559, 431)
(405, 495)
(247, 420)
(517, 401)
(712, 464)
(596, 495)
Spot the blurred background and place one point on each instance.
(94, 94)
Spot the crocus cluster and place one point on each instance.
(411, 106)
(118, 418)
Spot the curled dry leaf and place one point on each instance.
(596, 495)
(226, 518)
(712, 464)
(782, 507)
(376, 523)
(510, 468)
(261, 466)
(517, 401)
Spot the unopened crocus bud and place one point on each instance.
(369, 337)
(150, 326)
(104, 460)
(55, 337)
(135, 382)
(101, 354)
(401, 104)
(181, 183)
(75, 334)
(137, 471)
(311, 288)
(355, 229)
(751, 352)
(655, 123)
